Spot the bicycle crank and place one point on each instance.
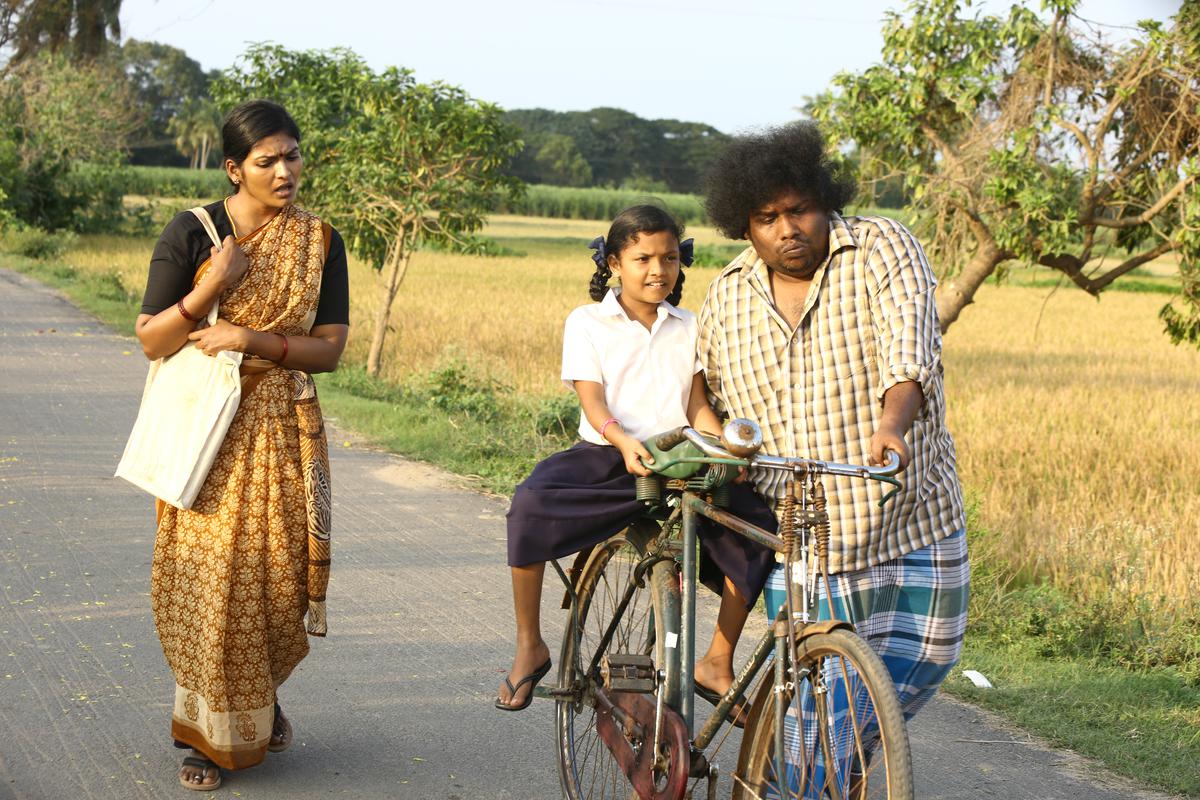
(625, 722)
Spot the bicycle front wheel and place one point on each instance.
(586, 766)
(842, 732)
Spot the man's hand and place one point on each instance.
(888, 438)
(224, 335)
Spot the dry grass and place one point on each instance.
(1077, 422)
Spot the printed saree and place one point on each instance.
(239, 580)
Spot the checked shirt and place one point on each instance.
(869, 322)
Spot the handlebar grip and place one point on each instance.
(668, 439)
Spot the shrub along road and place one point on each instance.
(396, 702)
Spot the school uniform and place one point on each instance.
(584, 495)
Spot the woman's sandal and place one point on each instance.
(281, 729)
(737, 715)
(535, 677)
(204, 765)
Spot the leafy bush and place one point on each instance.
(455, 388)
(557, 415)
(37, 243)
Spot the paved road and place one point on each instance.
(395, 703)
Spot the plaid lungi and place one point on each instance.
(912, 611)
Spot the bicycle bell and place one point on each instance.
(741, 437)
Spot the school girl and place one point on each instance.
(631, 358)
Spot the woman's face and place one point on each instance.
(271, 173)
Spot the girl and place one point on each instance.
(631, 358)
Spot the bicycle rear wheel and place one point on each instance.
(586, 766)
(849, 743)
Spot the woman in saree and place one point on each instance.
(238, 581)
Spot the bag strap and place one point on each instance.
(206, 221)
(211, 229)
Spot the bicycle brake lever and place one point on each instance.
(895, 484)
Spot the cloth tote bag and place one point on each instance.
(187, 406)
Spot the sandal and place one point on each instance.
(204, 765)
(535, 676)
(281, 729)
(737, 715)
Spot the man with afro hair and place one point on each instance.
(825, 331)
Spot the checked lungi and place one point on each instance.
(912, 611)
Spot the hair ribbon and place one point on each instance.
(687, 252)
(600, 256)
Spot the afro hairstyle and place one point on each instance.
(753, 170)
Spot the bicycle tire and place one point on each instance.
(889, 771)
(586, 768)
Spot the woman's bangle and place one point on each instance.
(285, 348)
(604, 427)
(185, 313)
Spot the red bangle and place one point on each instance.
(604, 427)
(185, 313)
(285, 348)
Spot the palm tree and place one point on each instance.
(196, 128)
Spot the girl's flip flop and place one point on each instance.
(535, 676)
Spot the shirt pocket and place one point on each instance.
(847, 341)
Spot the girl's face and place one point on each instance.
(648, 267)
(271, 173)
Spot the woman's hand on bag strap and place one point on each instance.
(228, 264)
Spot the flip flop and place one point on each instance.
(737, 715)
(535, 676)
(205, 765)
(286, 742)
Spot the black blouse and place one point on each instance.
(184, 246)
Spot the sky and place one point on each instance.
(734, 64)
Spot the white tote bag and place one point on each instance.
(187, 406)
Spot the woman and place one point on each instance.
(239, 580)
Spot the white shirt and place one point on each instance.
(646, 374)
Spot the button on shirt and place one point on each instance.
(868, 323)
(646, 374)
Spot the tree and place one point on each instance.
(392, 162)
(1019, 139)
(561, 162)
(196, 128)
(80, 27)
(165, 79)
(55, 115)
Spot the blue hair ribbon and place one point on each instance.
(687, 252)
(600, 256)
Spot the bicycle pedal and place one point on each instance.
(628, 672)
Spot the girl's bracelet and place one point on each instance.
(604, 427)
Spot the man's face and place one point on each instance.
(791, 234)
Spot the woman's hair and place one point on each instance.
(250, 123)
(624, 231)
(754, 170)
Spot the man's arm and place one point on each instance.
(901, 403)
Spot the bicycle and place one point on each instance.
(824, 722)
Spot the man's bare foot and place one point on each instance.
(199, 773)
(526, 662)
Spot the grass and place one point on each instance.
(1144, 726)
(1076, 423)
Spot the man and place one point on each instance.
(825, 332)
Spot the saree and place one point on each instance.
(238, 581)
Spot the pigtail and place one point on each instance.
(677, 293)
(600, 278)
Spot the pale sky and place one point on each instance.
(734, 65)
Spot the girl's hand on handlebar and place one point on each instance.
(888, 439)
(634, 453)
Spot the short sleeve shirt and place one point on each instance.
(646, 374)
(184, 246)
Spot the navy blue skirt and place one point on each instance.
(582, 496)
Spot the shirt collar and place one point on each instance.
(611, 307)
